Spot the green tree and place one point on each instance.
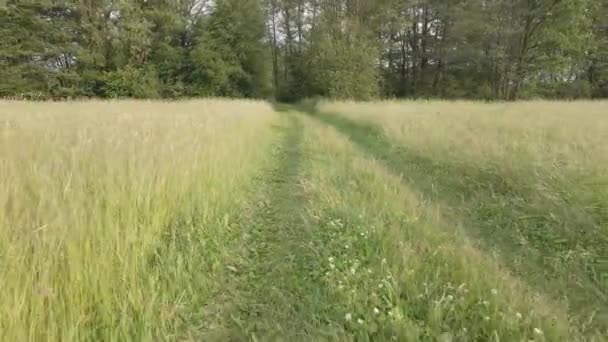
(292, 49)
(343, 63)
(39, 50)
(597, 59)
(230, 54)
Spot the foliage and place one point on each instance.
(294, 49)
(229, 56)
(134, 48)
(130, 82)
(345, 64)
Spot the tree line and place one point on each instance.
(294, 49)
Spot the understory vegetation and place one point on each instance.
(222, 220)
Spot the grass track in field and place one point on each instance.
(399, 269)
(276, 291)
(492, 208)
(338, 250)
(340, 234)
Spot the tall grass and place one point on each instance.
(518, 136)
(401, 270)
(115, 217)
(530, 179)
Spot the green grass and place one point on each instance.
(546, 222)
(395, 255)
(244, 224)
(504, 212)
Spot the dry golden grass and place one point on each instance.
(114, 216)
(569, 135)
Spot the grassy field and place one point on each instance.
(231, 220)
(116, 218)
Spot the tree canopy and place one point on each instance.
(293, 49)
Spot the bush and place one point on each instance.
(574, 90)
(130, 82)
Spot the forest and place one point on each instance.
(293, 49)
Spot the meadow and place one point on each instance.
(222, 220)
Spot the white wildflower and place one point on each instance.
(331, 259)
(360, 321)
(348, 317)
(376, 311)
